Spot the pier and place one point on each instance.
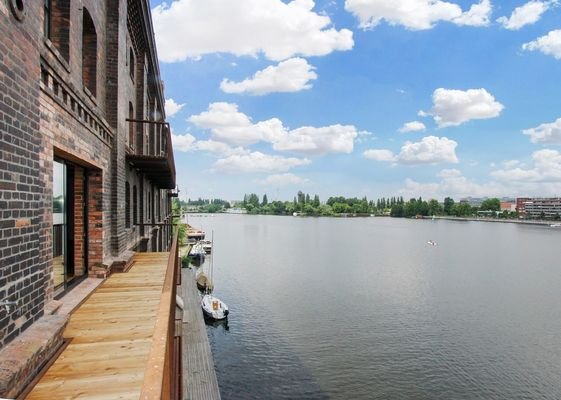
(199, 376)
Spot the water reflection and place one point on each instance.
(216, 324)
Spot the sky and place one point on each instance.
(375, 98)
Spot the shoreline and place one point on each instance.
(441, 217)
(504, 221)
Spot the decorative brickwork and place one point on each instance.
(65, 90)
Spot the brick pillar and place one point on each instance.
(95, 222)
(79, 221)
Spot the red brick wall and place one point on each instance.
(79, 205)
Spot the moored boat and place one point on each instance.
(197, 251)
(214, 308)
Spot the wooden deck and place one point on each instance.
(199, 376)
(110, 336)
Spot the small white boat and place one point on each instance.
(207, 245)
(213, 307)
(555, 225)
(431, 243)
(197, 251)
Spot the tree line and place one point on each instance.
(306, 204)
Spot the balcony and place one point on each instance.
(123, 341)
(152, 153)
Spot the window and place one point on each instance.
(134, 205)
(131, 63)
(131, 125)
(56, 25)
(47, 18)
(127, 205)
(89, 53)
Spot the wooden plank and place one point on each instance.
(199, 375)
(111, 337)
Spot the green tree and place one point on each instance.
(434, 207)
(265, 200)
(316, 202)
(493, 204)
(448, 205)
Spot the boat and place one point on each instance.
(214, 308)
(197, 251)
(431, 243)
(204, 283)
(207, 245)
(555, 226)
(193, 233)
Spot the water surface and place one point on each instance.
(364, 308)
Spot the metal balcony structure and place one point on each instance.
(152, 154)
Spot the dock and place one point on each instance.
(199, 376)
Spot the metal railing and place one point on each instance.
(162, 378)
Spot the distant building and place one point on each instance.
(549, 208)
(473, 201)
(508, 206)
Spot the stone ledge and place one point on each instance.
(23, 358)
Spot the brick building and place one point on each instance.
(86, 161)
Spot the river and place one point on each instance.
(365, 308)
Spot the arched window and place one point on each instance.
(131, 125)
(134, 205)
(132, 64)
(127, 205)
(56, 25)
(89, 53)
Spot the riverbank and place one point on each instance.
(504, 221)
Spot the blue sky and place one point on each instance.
(363, 97)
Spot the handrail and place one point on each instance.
(159, 375)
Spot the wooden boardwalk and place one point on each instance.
(110, 337)
(199, 376)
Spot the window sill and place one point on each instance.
(54, 51)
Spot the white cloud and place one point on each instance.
(545, 133)
(430, 150)
(454, 107)
(183, 142)
(172, 107)
(286, 179)
(310, 140)
(258, 162)
(510, 163)
(479, 14)
(379, 155)
(549, 44)
(546, 169)
(274, 28)
(292, 75)
(413, 126)
(526, 14)
(453, 184)
(188, 143)
(227, 124)
(417, 14)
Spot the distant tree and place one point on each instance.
(316, 202)
(265, 200)
(434, 207)
(493, 204)
(397, 210)
(307, 200)
(448, 204)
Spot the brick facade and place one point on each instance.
(65, 92)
